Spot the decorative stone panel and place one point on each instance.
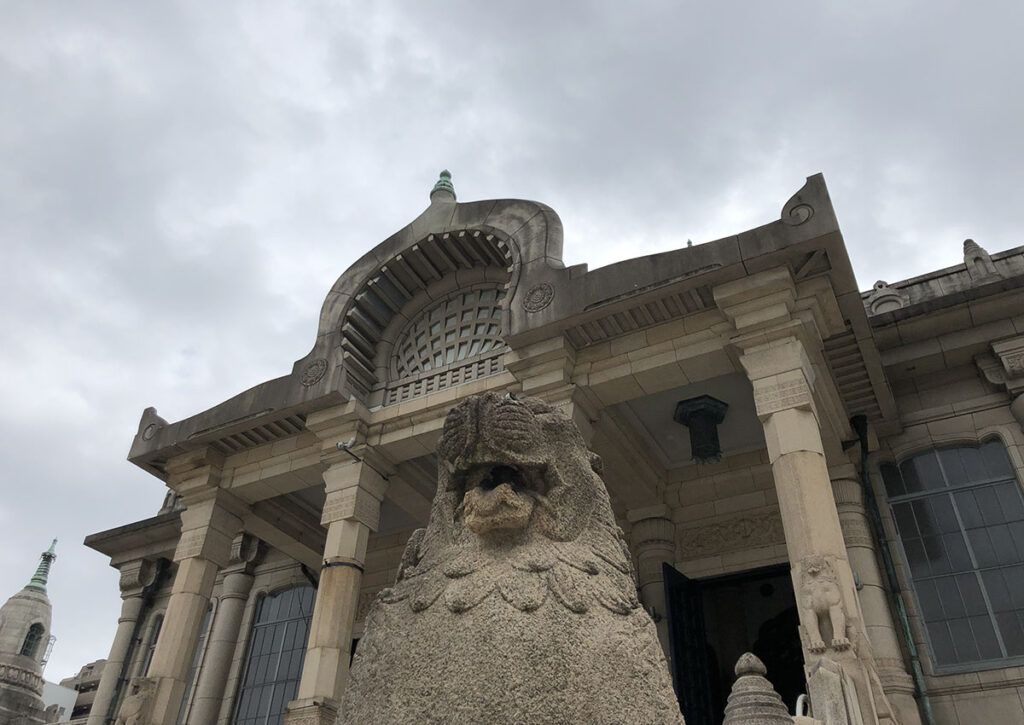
(731, 534)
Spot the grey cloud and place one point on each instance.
(182, 182)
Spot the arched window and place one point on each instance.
(276, 649)
(154, 632)
(960, 516)
(464, 325)
(31, 645)
(451, 342)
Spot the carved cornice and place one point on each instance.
(21, 678)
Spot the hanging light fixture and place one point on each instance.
(702, 416)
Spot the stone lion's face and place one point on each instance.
(512, 467)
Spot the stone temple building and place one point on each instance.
(25, 641)
(825, 477)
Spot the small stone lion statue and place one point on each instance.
(517, 603)
(821, 600)
(135, 708)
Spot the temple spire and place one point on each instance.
(444, 186)
(43, 570)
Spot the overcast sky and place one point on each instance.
(181, 183)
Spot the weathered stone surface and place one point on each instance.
(518, 602)
(753, 700)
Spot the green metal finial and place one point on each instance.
(444, 183)
(43, 570)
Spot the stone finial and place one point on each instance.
(884, 298)
(978, 262)
(43, 570)
(443, 186)
(753, 700)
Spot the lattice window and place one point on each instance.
(463, 326)
(277, 648)
(960, 516)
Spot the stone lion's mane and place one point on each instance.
(517, 603)
(574, 555)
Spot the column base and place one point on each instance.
(311, 711)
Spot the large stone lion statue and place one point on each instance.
(517, 603)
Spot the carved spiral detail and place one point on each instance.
(799, 214)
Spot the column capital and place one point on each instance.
(209, 523)
(1004, 367)
(342, 424)
(1010, 354)
(194, 471)
(541, 365)
(763, 299)
(848, 492)
(355, 490)
(654, 531)
(246, 552)
(136, 575)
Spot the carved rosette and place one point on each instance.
(538, 297)
(314, 372)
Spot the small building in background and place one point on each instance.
(84, 685)
(25, 643)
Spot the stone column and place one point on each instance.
(135, 576)
(653, 536)
(778, 342)
(351, 512)
(209, 523)
(224, 631)
(874, 602)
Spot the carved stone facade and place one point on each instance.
(320, 477)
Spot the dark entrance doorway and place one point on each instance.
(713, 621)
